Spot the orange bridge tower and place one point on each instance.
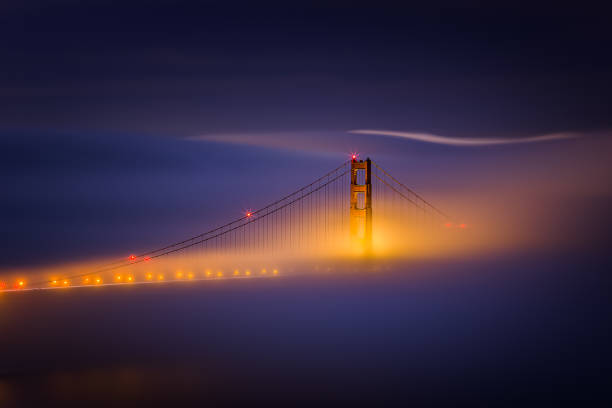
(361, 204)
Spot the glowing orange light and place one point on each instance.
(461, 225)
(448, 224)
(98, 280)
(65, 283)
(179, 275)
(190, 275)
(2, 285)
(129, 279)
(149, 276)
(248, 214)
(219, 274)
(21, 284)
(86, 280)
(118, 277)
(247, 272)
(54, 282)
(275, 272)
(263, 271)
(208, 273)
(236, 272)
(160, 277)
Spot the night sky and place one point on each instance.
(179, 69)
(129, 125)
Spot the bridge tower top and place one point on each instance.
(360, 213)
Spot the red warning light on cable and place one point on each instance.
(147, 258)
(132, 257)
(249, 214)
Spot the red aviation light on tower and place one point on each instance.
(354, 156)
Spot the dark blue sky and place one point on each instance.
(179, 68)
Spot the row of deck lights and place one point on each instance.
(150, 277)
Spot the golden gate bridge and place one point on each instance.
(346, 213)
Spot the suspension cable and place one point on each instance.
(250, 221)
(229, 224)
(393, 188)
(410, 190)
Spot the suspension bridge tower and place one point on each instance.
(361, 204)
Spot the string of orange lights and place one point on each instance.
(145, 278)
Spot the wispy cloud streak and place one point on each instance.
(453, 141)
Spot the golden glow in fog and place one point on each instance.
(316, 242)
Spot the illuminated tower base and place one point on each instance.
(360, 219)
